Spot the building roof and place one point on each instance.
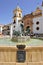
(1, 25)
(37, 11)
(28, 16)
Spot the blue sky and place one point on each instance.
(7, 7)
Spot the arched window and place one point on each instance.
(14, 22)
(28, 29)
(15, 15)
(19, 15)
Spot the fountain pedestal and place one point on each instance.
(21, 53)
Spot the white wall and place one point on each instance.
(0, 29)
(17, 25)
(40, 25)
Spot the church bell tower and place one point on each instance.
(16, 18)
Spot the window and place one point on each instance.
(15, 15)
(22, 21)
(37, 28)
(14, 26)
(8, 28)
(19, 15)
(37, 22)
(14, 22)
(28, 29)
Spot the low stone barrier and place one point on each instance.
(29, 63)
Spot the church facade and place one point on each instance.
(38, 20)
(34, 21)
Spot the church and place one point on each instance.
(33, 21)
(8, 29)
(22, 54)
(38, 20)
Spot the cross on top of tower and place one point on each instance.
(17, 6)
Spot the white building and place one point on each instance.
(17, 17)
(15, 25)
(8, 29)
(38, 20)
(1, 28)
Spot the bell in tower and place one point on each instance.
(17, 12)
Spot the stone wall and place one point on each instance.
(34, 56)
